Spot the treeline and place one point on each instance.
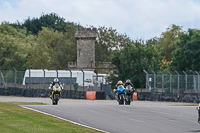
(48, 42)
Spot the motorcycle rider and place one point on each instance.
(115, 90)
(55, 81)
(128, 82)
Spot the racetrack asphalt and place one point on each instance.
(108, 116)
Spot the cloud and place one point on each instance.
(6, 5)
(137, 18)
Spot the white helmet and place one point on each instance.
(56, 80)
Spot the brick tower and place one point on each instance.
(85, 49)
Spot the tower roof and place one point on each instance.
(86, 33)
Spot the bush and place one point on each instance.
(75, 86)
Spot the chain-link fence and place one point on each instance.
(172, 83)
(35, 83)
(41, 79)
(10, 78)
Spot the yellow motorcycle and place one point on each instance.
(56, 93)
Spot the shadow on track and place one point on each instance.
(195, 131)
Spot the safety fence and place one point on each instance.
(172, 82)
(24, 83)
(17, 79)
(20, 79)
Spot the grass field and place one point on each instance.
(15, 119)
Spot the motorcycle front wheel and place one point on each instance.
(121, 99)
(55, 100)
(128, 100)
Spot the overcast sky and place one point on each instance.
(139, 19)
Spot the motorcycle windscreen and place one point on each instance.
(120, 89)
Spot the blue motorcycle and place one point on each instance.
(120, 94)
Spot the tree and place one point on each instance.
(131, 60)
(187, 54)
(51, 20)
(53, 50)
(152, 55)
(108, 40)
(14, 47)
(167, 42)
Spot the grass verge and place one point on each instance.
(15, 119)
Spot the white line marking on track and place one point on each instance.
(64, 119)
(93, 111)
(133, 119)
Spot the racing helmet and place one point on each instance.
(119, 82)
(128, 81)
(56, 80)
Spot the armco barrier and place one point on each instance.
(90, 95)
(173, 97)
(100, 95)
(11, 91)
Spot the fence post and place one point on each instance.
(197, 82)
(43, 79)
(83, 79)
(15, 76)
(162, 81)
(154, 76)
(29, 78)
(4, 83)
(0, 78)
(185, 81)
(70, 81)
(178, 81)
(170, 78)
(96, 74)
(56, 72)
(146, 79)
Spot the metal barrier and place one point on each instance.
(172, 83)
(27, 80)
(17, 79)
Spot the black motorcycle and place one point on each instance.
(128, 95)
